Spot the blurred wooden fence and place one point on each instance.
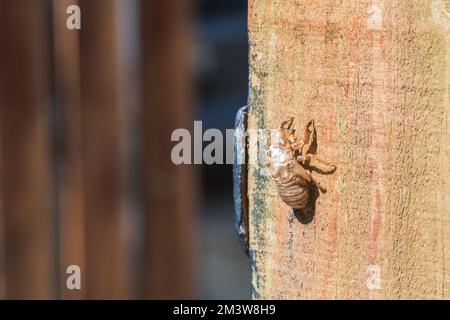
(85, 170)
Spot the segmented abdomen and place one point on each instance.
(293, 193)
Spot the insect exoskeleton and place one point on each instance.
(290, 162)
(294, 193)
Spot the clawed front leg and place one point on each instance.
(303, 146)
(309, 137)
(296, 144)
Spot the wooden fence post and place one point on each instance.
(374, 75)
(24, 142)
(106, 256)
(70, 180)
(169, 196)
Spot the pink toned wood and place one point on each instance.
(374, 77)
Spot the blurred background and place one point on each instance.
(86, 176)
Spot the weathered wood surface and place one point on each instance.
(375, 77)
(25, 180)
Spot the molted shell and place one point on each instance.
(289, 164)
(292, 188)
(294, 193)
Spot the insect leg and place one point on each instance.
(320, 165)
(301, 172)
(317, 183)
(309, 137)
(307, 175)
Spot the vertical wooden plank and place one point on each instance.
(168, 189)
(25, 182)
(2, 242)
(70, 202)
(374, 76)
(102, 168)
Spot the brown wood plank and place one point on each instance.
(169, 254)
(24, 143)
(106, 259)
(374, 77)
(2, 243)
(70, 184)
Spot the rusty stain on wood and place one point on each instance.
(374, 74)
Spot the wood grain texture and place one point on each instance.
(374, 75)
